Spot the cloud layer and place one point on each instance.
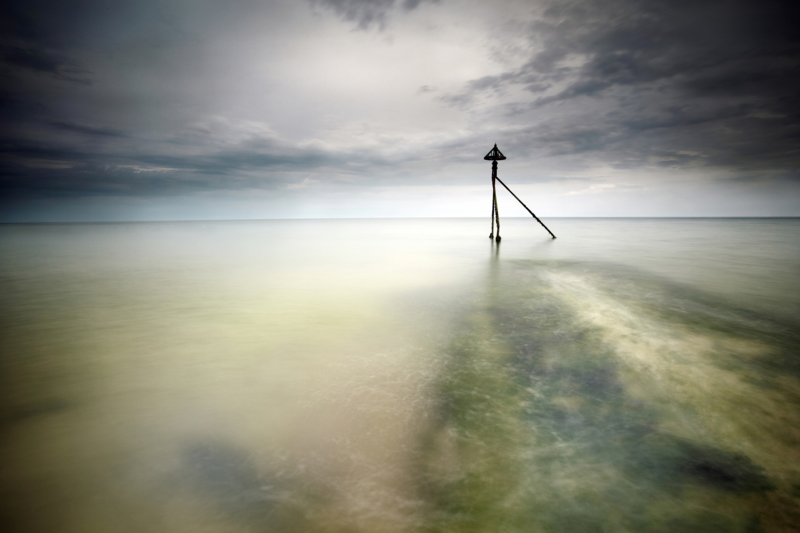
(709, 83)
(628, 100)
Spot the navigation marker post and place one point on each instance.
(494, 156)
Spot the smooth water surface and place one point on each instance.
(633, 375)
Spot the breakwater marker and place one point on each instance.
(494, 156)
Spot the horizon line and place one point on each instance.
(161, 221)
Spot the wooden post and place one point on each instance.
(493, 155)
(494, 199)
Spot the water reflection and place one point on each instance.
(385, 377)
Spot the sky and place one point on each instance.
(245, 109)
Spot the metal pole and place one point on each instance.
(494, 177)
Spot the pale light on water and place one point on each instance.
(401, 375)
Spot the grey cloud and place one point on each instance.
(461, 100)
(684, 116)
(87, 129)
(37, 60)
(62, 25)
(93, 180)
(717, 77)
(477, 88)
(367, 13)
(576, 140)
(41, 61)
(29, 169)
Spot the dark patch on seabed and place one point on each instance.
(34, 410)
(228, 478)
(534, 429)
(540, 434)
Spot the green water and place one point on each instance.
(633, 375)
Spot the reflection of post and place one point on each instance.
(494, 199)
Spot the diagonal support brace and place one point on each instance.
(526, 207)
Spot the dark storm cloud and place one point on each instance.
(86, 129)
(719, 78)
(367, 13)
(30, 169)
(40, 61)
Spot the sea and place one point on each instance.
(401, 375)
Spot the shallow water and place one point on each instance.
(401, 375)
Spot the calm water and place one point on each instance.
(634, 375)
